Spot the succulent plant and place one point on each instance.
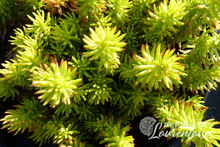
(15, 75)
(113, 131)
(188, 122)
(41, 24)
(203, 13)
(55, 82)
(103, 46)
(165, 19)
(27, 116)
(119, 9)
(61, 133)
(83, 65)
(68, 27)
(143, 5)
(7, 90)
(88, 8)
(203, 57)
(98, 88)
(84, 61)
(157, 68)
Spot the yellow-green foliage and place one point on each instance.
(84, 61)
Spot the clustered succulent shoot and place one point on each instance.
(56, 82)
(104, 45)
(157, 68)
(83, 70)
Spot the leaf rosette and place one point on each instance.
(104, 45)
(55, 83)
(157, 69)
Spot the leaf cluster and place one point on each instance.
(85, 61)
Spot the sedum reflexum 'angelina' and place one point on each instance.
(66, 32)
(187, 120)
(115, 83)
(28, 116)
(17, 72)
(157, 68)
(104, 45)
(7, 90)
(60, 130)
(112, 130)
(98, 89)
(41, 24)
(202, 60)
(166, 18)
(118, 9)
(184, 115)
(202, 13)
(55, 82)
(88, 8)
